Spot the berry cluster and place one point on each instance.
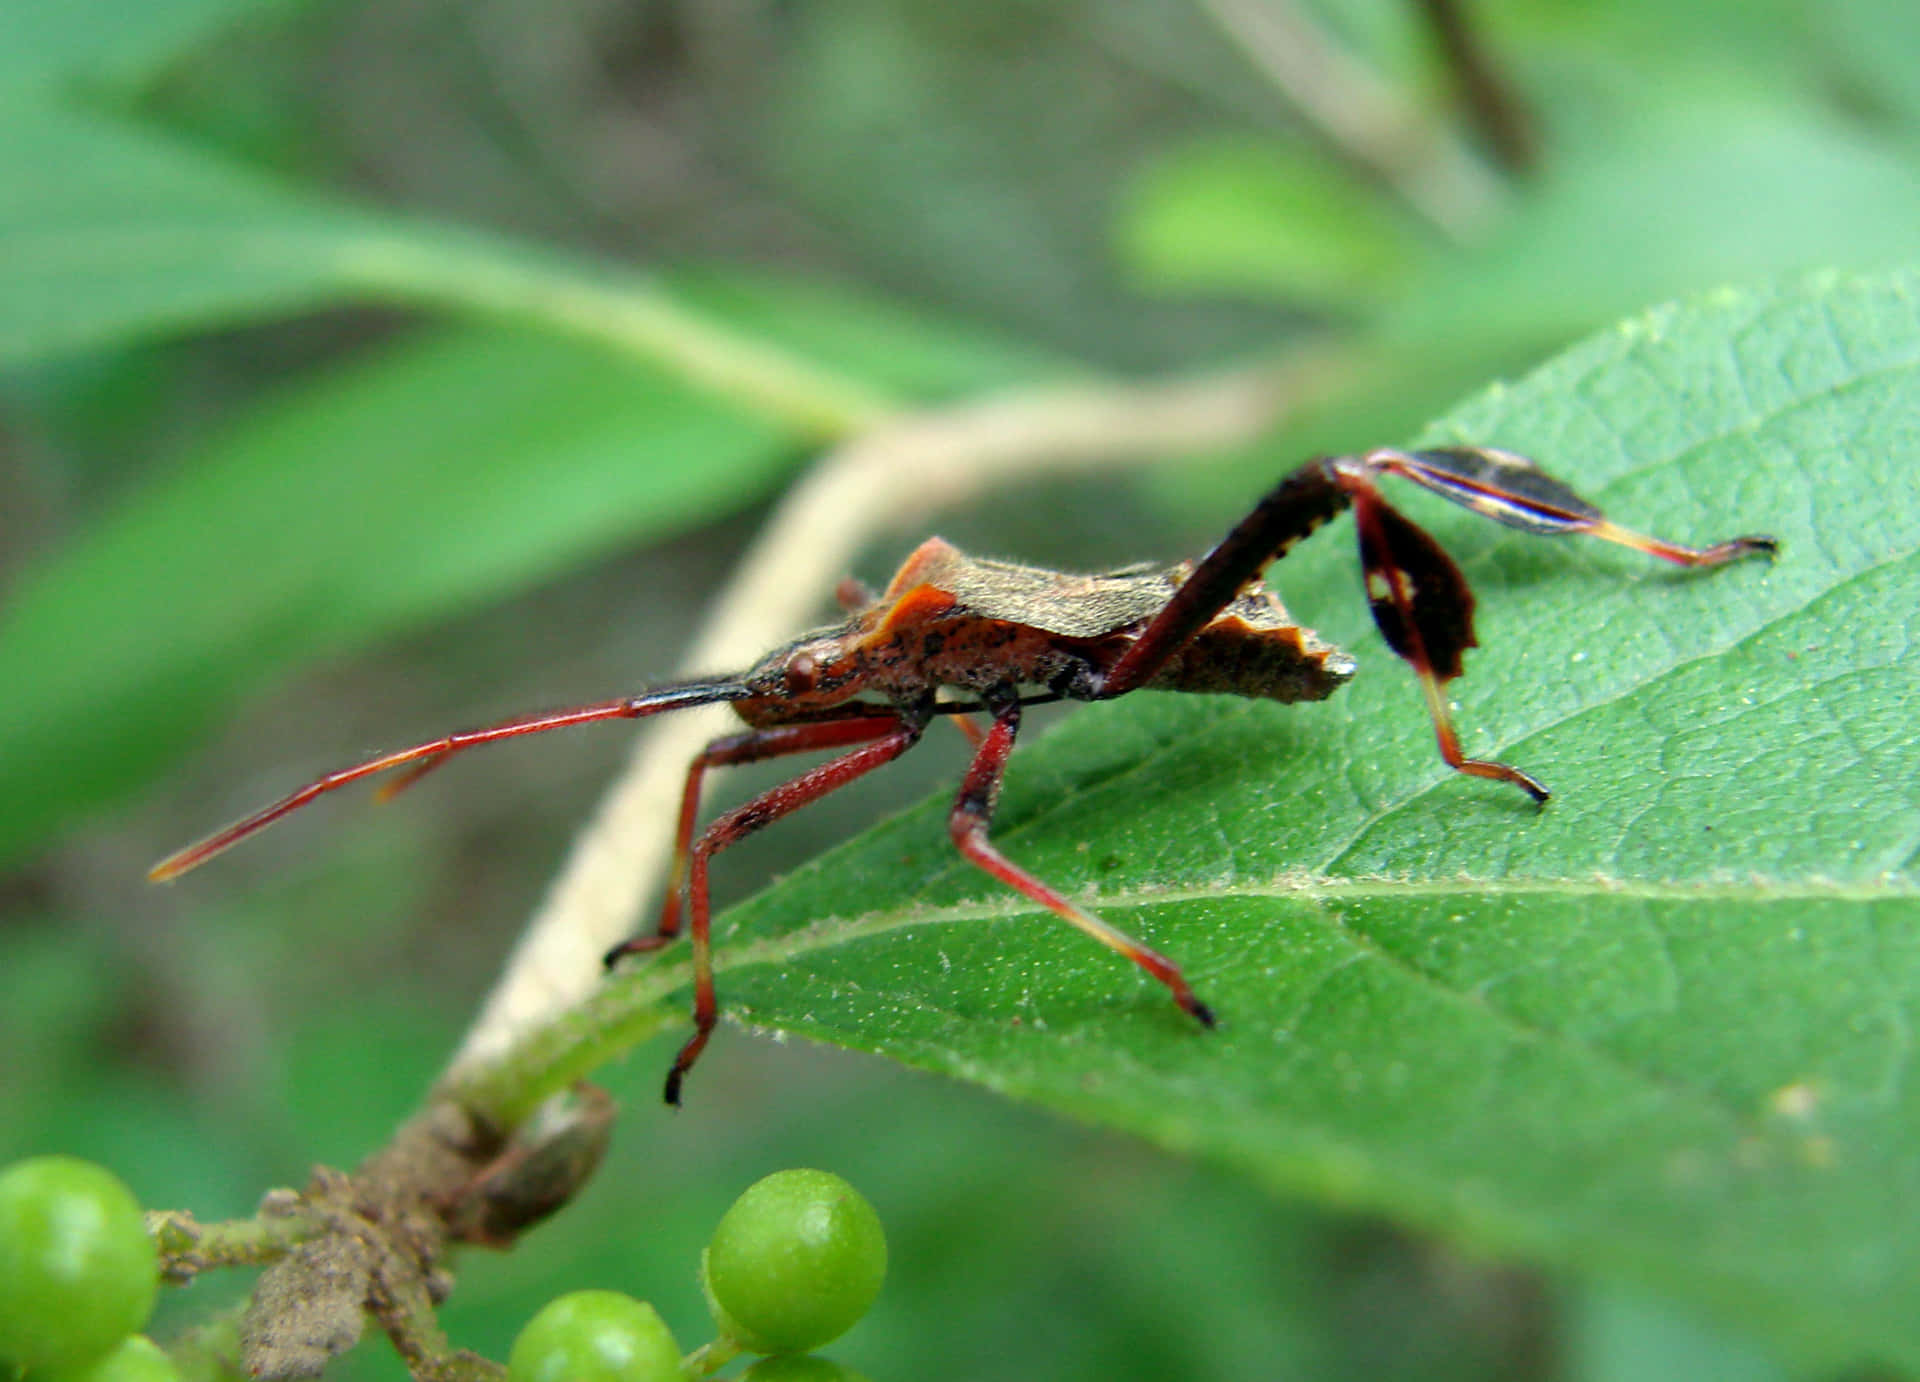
(78, 1276)
(792, 1266)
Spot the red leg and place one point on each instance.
(970, 728)
(752, 747)
(968, 824)
(891, 739)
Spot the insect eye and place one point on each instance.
(802, 673)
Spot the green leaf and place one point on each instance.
(109, 233)
(1875, 45)
(50, 42)
(901, 350)
(1659, 1029)
(1677, 201)
(417, 482)
(1615, 1336)
(413, 485)
(1267, 219)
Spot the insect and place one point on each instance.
(953, 635)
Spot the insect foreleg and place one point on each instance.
(893, 740)
(754, 746)
(969, 821)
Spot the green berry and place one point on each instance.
(135, 1358)
(78, 1273)
(794, 1263)
(595, 1336)
(799, 1367)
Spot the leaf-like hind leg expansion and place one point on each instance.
(1420, 599)
(1424, 608)
(1512, 490)
(892, 736)
(969, 821)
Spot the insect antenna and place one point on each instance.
(421, 759)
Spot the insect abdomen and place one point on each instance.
(1235, 658)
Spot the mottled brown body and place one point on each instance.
(951, 621)
(952, 634)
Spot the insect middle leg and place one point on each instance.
(970, 819)
(892, 735)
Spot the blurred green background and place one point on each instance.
(299, 458)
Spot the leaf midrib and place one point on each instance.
(1325, 896)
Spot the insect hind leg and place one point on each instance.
(1512, 490)
(1421, 601)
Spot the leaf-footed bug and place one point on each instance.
(1004, 636)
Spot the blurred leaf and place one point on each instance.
(1269, 219)
(1657, 1029)
(1678, 202)
(52, 1004)
(51, 42)
(902, 350)
(1614, 1336)
(1654, 45)
(1876, 46)
(974, 151)
(416, 483)
(412, 486)
(108, 232)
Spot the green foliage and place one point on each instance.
(1675, 200)
(1658, 1024)
(114, 231)
(78, 1273)
(51, 43)
(411, 484)
(1272, 219)
(1655, 1032)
